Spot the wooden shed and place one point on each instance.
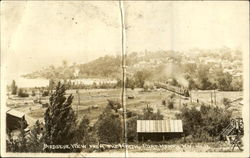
(158, 130)
(13, 119)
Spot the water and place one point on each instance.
(26, 83)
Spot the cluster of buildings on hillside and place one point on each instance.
(234, 67)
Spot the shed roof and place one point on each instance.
(159, 126)
(15, 113)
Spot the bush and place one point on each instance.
(109, 124)
(149, 114)
(13, 88)
(109, 127)
(33, 93)
(163, 102)
(205, 123)
(170, 104)
(22, 94)
(45, 93)
(131, 129)
(226, 102)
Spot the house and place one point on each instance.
(158, 130)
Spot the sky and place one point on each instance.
(36, 34)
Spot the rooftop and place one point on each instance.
(159, 126)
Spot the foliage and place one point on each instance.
(51, 85)
(170, 104)
(83, 130)
(60, 119)
(131, 128)
(204, 124)
(21, 93)
(109, 126)
(226, 102)
(36, 138)
(130, 83)
(20, 144)
(163, 102)
(13, 88)
(33, 93)
(202, 71)
(45, 93)
(149, 114)
(170, 101)
(60, 127)
(140, 77)
(113, 104)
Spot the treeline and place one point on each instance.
(72, 85)
(107, 66)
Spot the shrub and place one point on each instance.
(109, 127)
(45, 93)
(33, 93)
(22, 94)
(170, 104)
(163, 102)
(131, 129)
(226, 102)
(148, 114)
(205, 123)
(13, 88)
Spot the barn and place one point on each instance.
(158, 130)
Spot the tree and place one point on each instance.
(170, 103)
(130, 83)
(226, 102)
(22, 136)
(21, 93)
(109, 126)
(204, 124)
(60, 119)
(51, 85)
(82, 132)
(13, 88)
(21, 143)
(140, 77)
(224, 82)
(36, 138)
(148, 114)
(131, 128)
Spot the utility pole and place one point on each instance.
(211, 98)
(123, 77)
(180, 101)
(190, 95)
(214, 97)
(78, 97)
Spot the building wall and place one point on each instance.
(13, 122)
(157, 136)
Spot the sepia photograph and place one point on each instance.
(124, 78)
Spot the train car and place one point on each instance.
(178, 90)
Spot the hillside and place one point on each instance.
(194, 69)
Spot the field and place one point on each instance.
(92, 102)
